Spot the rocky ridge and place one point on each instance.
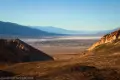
(108, 38)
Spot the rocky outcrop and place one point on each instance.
(15, 50)
(108, 38)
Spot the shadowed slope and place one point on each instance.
(6, 74)
(15, 50)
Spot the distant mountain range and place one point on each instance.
(73, 32)
(13, 29)
(58, 30)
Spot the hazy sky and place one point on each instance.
(68, 14)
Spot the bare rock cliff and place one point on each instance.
(108, 38)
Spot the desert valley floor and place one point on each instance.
(71, 61)
(63, 48)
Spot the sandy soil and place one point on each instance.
(63, 49)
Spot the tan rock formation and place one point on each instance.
(108, 38)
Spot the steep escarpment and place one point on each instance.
(15, 50)
(108, 38)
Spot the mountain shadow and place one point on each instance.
(15, 50)
(6, 74)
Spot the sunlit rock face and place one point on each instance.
(108, 38)
(18, 44)
(15, 50)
